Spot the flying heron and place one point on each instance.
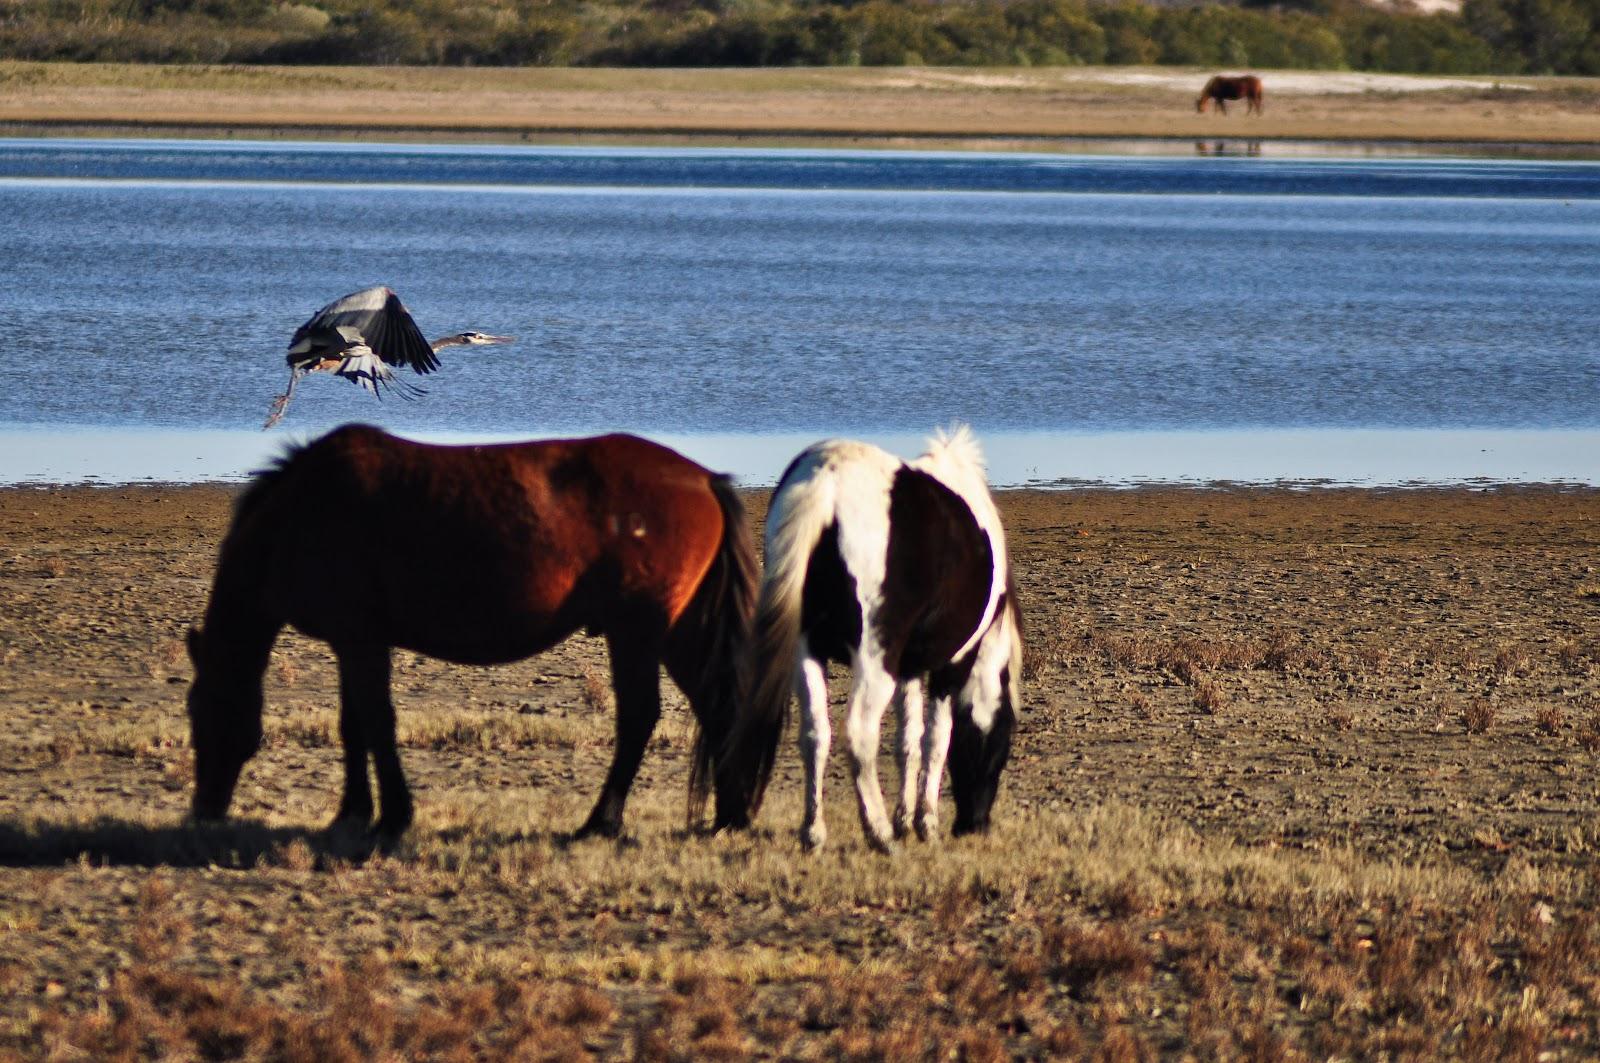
(359, 337)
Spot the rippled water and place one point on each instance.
(680, 291)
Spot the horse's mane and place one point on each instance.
(955, 451)
(262, 481)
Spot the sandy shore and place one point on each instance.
(1337, 748)
(877, 104)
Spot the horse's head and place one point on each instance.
(224, 724)
(985, 714)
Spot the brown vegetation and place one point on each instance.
(1337, 864)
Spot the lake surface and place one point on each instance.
(1357, 320)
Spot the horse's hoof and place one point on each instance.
(885, 846)
(813, 838)
(596, 830)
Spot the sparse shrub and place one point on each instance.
(1209, 698)
(1479, 715)
(1080, 956)
(1550, 720)
(596, 692)
(1339, 718)
(1511, 661)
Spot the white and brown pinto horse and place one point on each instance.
(898, 569)
(1222, 89)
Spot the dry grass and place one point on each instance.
(1550, 720)
(1302, 954)
(1275, 880)
(1479, 716)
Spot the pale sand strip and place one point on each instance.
(879, 102)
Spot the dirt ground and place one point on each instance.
(1302, 774)
(877, 105)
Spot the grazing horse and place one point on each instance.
(898, 569)
(476, 555)
(1222, 89)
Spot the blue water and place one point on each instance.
(154, 285)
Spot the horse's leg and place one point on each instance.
(936, 747)
(874, 688)
(636, 682)
(816, 734)
(1222, 105)
(366, 710)
(908, 708)
(355, 807)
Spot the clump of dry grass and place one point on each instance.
(1339, 718)
(1209, 698)
(1511, 661)
(1550, 720)
(596, 692)
(1479, 715)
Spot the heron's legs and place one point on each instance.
(280, 405)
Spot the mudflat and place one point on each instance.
(989, 107)
(1301, 773)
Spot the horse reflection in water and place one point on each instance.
(1220, 89)
(476, 555)
(898, 569)
(1224, 148)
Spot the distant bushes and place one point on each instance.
(1511, 36)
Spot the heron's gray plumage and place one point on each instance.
(361, 337)
(373, 317)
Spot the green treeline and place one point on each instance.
(1502, 36)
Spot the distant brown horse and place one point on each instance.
(1222, 89)
(477, 555)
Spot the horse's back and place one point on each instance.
(900, 548)
(483, 553)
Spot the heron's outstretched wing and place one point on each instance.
(396, 338)
(373, 318)
(362, 366)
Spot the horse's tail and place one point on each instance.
(718, 621)
(800, 513)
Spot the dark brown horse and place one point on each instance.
(477, 555)
(1222, 89)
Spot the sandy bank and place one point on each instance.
(982, 104)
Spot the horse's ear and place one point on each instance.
(194, 645)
